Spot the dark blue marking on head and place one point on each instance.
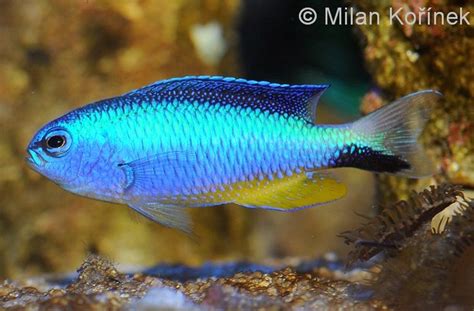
(368, 159)
(294, 100)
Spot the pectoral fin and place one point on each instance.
(168, 215)
(292, 193)
(162, 171)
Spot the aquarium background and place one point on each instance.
(59, 55)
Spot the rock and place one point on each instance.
(100, 285)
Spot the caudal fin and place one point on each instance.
(392, 131)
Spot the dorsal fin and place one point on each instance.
(292, 100)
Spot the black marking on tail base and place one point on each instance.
(371, 160)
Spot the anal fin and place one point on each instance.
(296, 192)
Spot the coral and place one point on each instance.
(399, 221)
(425, 266)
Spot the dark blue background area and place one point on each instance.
(276, 46)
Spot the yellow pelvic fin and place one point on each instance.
(295, 192)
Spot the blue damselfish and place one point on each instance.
(203, 141)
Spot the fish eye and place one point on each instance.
(56, 142)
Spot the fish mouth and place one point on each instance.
(36, 161)
(34, 158)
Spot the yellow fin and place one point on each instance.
(289, 193)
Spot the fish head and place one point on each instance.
(53, 151)
(70, 152)
(74, 151)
